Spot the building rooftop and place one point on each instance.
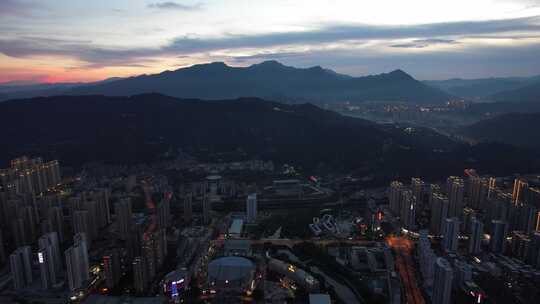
(286, 181)
(237, 244)
(230, 268)
(98, 299)
(319, 298)
(236, 226)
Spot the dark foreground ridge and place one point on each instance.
(137, 128)
(518, 129)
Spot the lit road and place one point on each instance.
(290, 242)
(405, 266)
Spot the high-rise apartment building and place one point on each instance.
(475, 236)
(48, 265)
(394, 196)
(101, 197)
(451, 234)
(112, 268)
(93, 218)
(251, 208)
(19, 232)
(439, 212)
(442, 283)
(51, 240)
(77, 263)
(499, 230)
(407, 209)
(55, 222)
(2, 249)
(419, 190)
(188, 207)
(163, 213)
(124, 217)
(207, 209)
(20, 263)
(478, 192)
(427, 259)
(520, 185)
(455, 188)
(533, 252)
(519, 245)
(81, 223)
(140, 276)
(462, 273)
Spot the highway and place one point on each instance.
(405, 266)
(343, 291)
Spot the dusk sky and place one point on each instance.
(76, 40)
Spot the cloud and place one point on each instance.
(423, 43)
(291, 46)
(277, 55)
(84, 50)
(506, 37)
(524, 2)
(14, 8)
(475, 62)
(356, 32)
(409, 45)
(170, 5)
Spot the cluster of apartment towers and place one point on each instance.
(31, 202)
(461, 211)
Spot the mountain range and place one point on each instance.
(17, 90)
(519, 129)
(491, 89)
(272, 80)
(528, 93)
(267, 80)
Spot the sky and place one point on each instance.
(79, 40)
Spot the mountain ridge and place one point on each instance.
(481, 88)
(511, 128)
(268, 80)
(528, 93)
(272, 80)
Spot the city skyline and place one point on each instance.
(71, 41)
(308, 151)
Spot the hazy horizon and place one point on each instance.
(32, 82)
